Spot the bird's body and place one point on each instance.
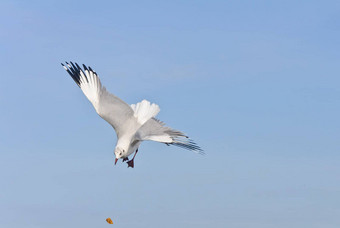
(133, 124)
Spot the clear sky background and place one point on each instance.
(255, 83)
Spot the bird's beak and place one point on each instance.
(116, 160)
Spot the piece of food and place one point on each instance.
(109, 221)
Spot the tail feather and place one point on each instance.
(144, 111)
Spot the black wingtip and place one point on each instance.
(72, 71)
(65, 67)
(78, 66)
(85, 68)
(189, 145)
(75, 71)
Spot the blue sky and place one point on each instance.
(255, 83)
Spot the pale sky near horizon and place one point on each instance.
(255, 83)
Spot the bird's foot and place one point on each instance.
(130, 163)
(125, 159)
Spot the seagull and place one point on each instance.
(133, 123)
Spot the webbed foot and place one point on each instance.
(130, 163)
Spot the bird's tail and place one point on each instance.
(144, 111)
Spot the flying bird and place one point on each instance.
(133, 123)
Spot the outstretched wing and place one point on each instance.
(111, 108)
(156, 130)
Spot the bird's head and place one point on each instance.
(119, 153)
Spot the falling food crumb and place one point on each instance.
(109, 221)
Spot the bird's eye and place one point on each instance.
(120, 154)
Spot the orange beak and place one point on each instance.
(116, 160)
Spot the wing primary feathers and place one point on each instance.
(74, 76)
(78, 67)
(68, 71)
(189, 145)
(69, 67)
(75, 73)
(85, 67)
(80, 70)
(74, 70)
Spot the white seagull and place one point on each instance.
(133, 123)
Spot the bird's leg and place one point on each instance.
(125, 159)
(131, 163)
